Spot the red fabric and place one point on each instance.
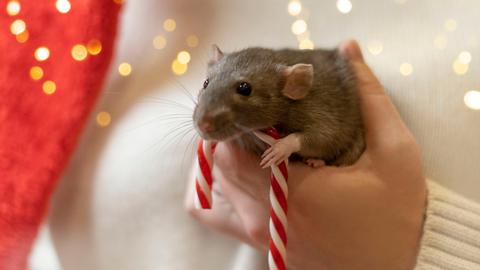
(38, 132)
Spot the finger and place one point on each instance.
(252, 209)
(268, 151)
(267, 159)
(381, 119)
(221, 217)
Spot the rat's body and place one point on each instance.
(308, 95)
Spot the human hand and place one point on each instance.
(365, 216)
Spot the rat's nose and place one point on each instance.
(206, 126)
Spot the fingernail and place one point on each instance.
(351, 50)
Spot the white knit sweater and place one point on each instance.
(451, 236)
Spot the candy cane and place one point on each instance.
(204, 180)
(277, 254)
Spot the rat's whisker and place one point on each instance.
(186, 91)
(161, 119)
(172, 142)
(178, 129)
(191, 143)
(157, 100)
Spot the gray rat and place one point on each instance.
(309, 96)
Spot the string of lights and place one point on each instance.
(460, 65)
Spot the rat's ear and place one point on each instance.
(298, 81)
(215, 55)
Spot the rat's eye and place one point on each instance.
(244, 89)
(205, 83)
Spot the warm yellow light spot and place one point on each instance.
(375, 47)
(119, 1)
(23, 37)
(124, 69)
(63, 6)
(159, 42)
(303, 36)
(79, 52)
(465, 57)
(179, 68)
(169, 25)
(36, 73)
(344, 6)
(306, 44)
(42, 53)
(17, 27)
(299, 27)
(450, 25)
(94, 47)
(192, 41)
(406, 69)
(103, 119)
(400, 1)
(49, 87)
(294, 7)
(440, 42)
(472, 99)
(459, 68)
(183, 57)
(13, 8)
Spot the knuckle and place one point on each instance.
(257, 232)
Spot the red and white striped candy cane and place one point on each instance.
(277, 254)
(204, 180)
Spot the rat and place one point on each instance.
(309, 96)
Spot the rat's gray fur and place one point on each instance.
(328, 117)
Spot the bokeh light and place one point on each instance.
(17, 27)
(23, 37)
(179, 68)
(299, 27)
(306, 44)
(36, 73)
(42, 53)
(375, 47)
(169, 25)
(49, 87)
(465, 57)
(192, 41)
(459, 68)
(79, 52)
(159, 42)
(13, 8)
(94, 47)
(63, 6)
(472, 99)
(183, 57)
(103, 119)
(440, 42)
(450, 25)
(406, 69)
(344, 6)
(124, 69)
(294, 7)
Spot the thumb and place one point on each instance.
(383, 124)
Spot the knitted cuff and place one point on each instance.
(451, 235)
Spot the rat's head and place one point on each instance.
(247, 90)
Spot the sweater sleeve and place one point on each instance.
(451, 234)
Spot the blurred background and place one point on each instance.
(119, 205)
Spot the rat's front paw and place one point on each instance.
(274, 155)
